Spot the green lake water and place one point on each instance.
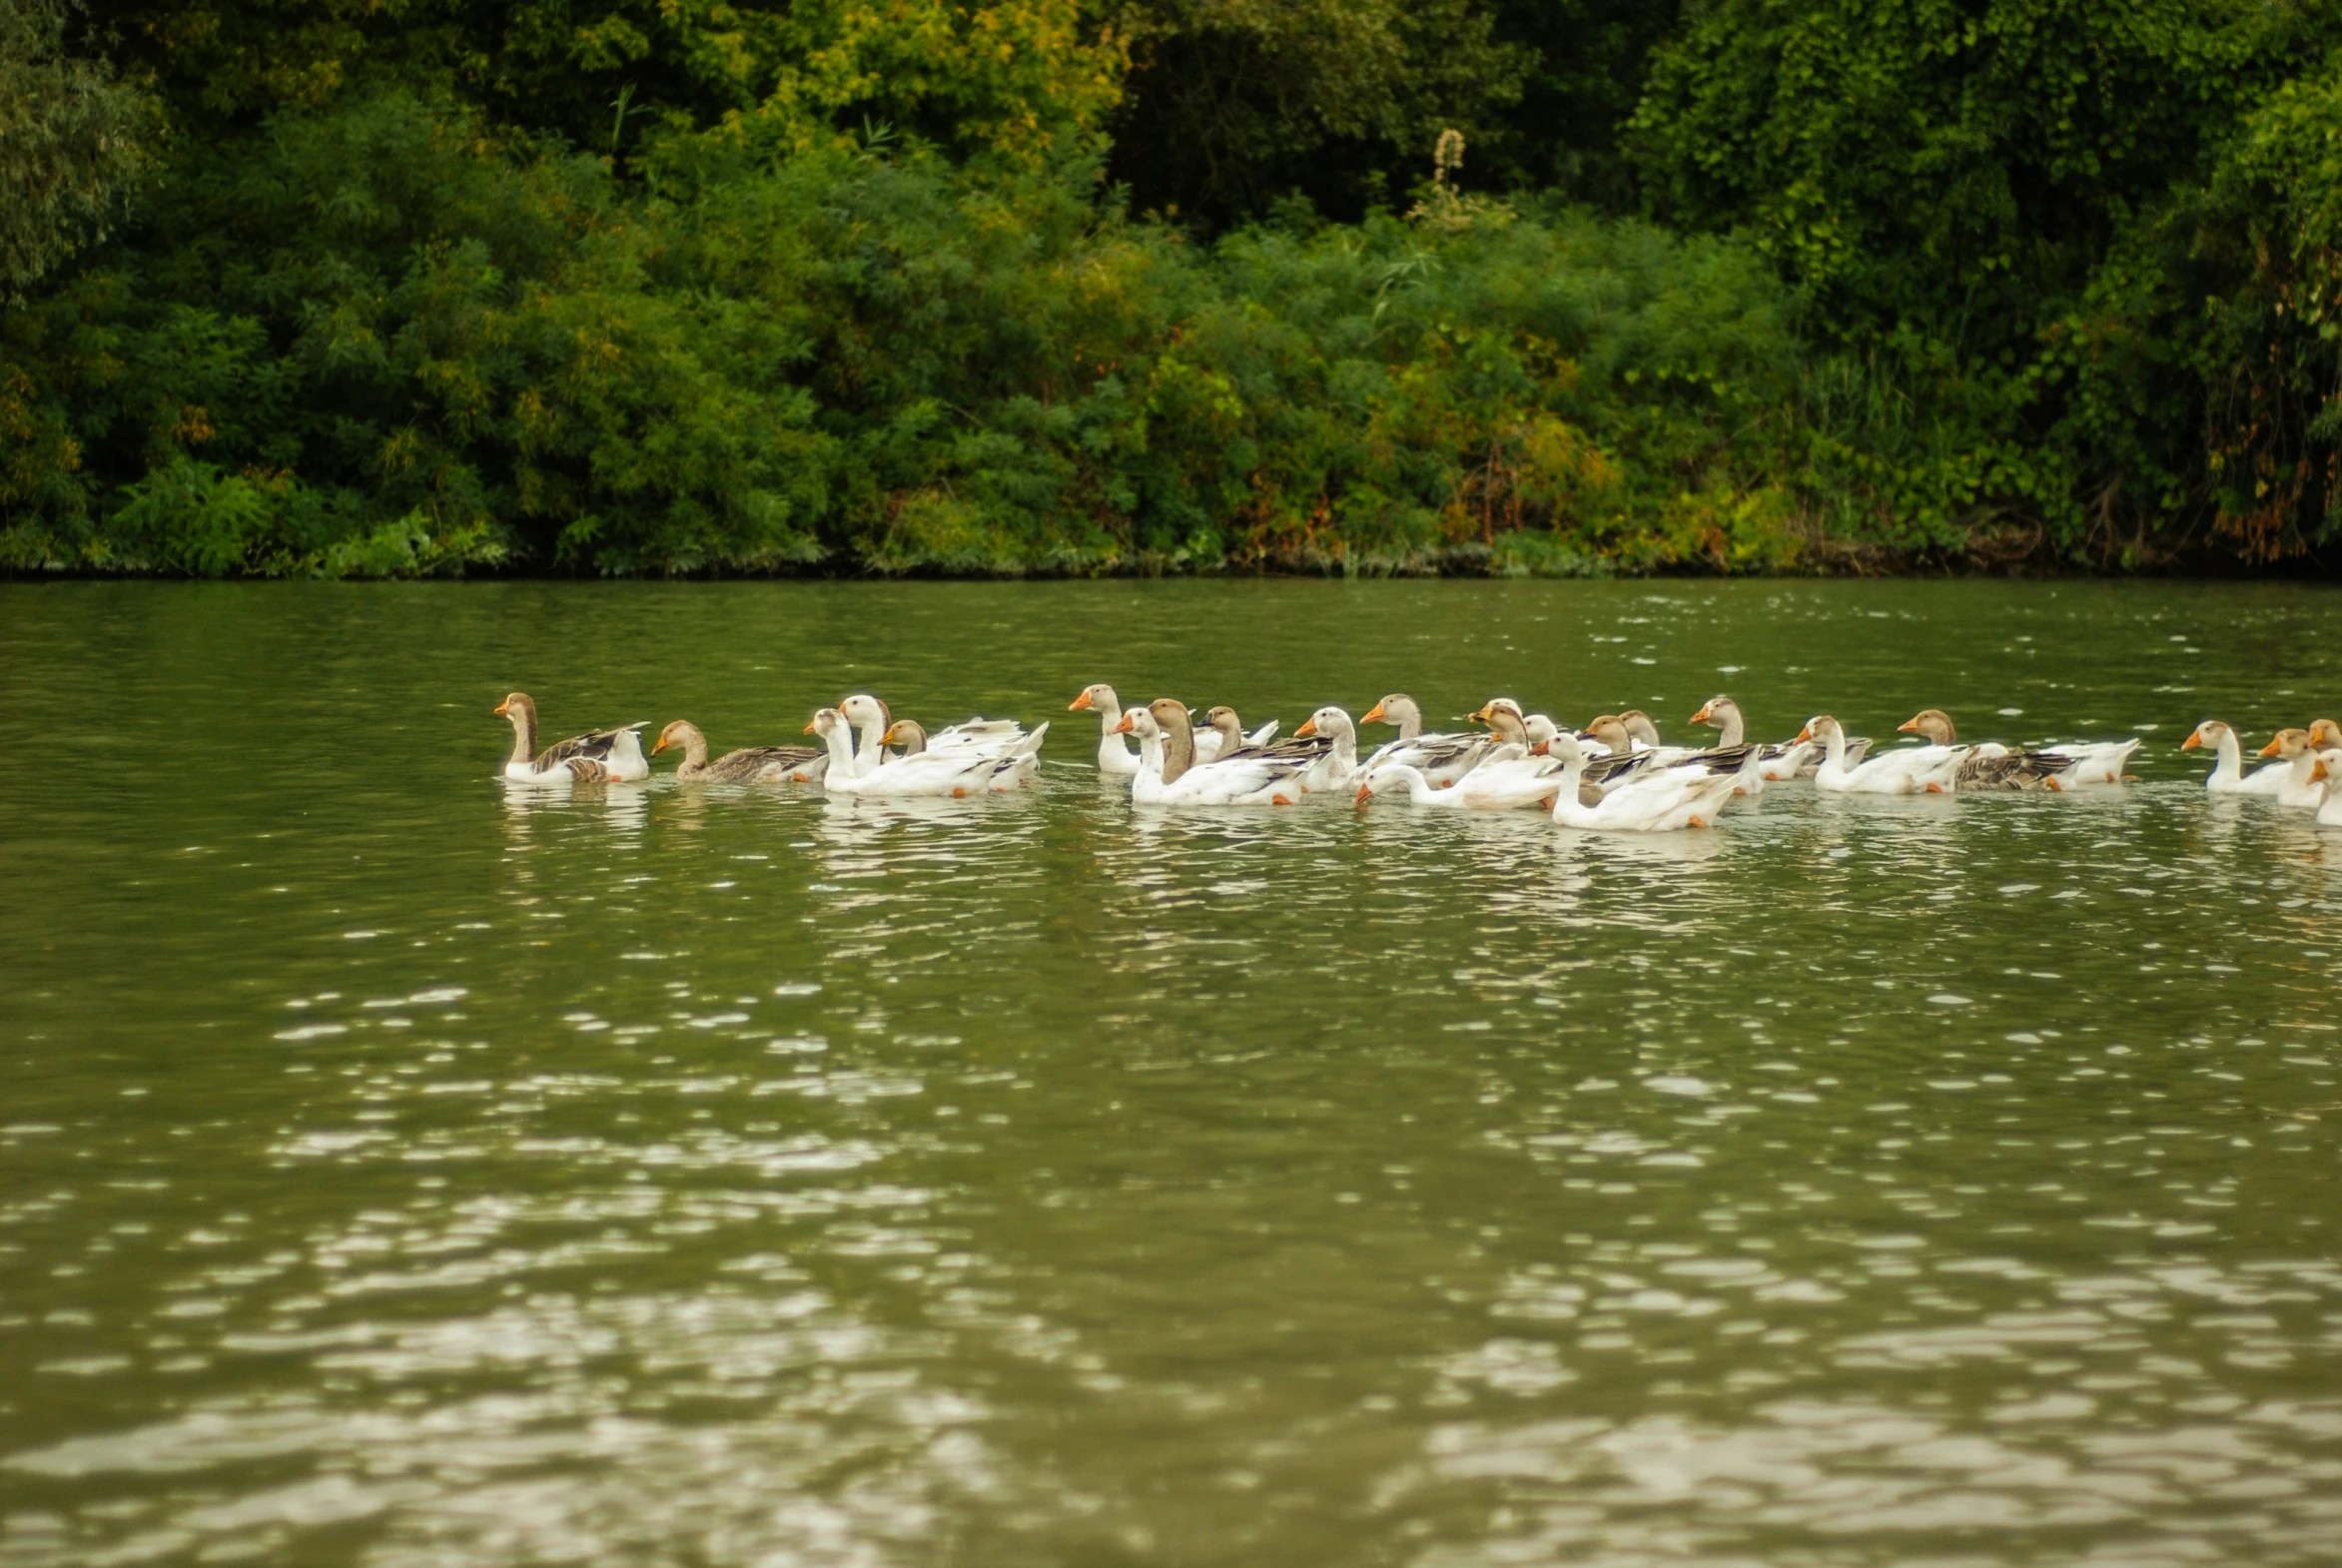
(396, 1169)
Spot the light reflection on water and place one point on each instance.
(405, 1168)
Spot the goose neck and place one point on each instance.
(1178, 751)
(694, 751)
(524, 735)
(838, 737)
(873, 749)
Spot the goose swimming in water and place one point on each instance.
(1442, 758)
(1990, 765)
(603, 755)
(748, 765)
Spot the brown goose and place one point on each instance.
(1222, 722)
(605, 754)
(1797, 760)
(1990, 766)
(748, 765)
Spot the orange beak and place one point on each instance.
(2271, 748)
(808, 728)
(2317, 770)
(1908, 726)
(2192, 742)
(1079, 703)
(503, 708)
(1803, 736)
(1373, 715)
(1309, 727)
(1124, 728)
(1365, 795)
(1543, 748)
(662, 746)
(1707, 710)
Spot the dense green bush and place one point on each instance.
(375, 341)
(661, 286)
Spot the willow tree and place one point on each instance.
(73, 135)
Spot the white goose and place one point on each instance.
(978, 737)
(1443, 758)
(1796, 760)
(1337, 768)
(2096, 762)
(2227, 776)
(1659, 801)
(1016, 766)
(2296, 757)
(959, 772)
(1114, 755)
(604, 755)
(1482, 789)
(2326, 773)
(1642, 735)
(1905, 772)
(1170, 775)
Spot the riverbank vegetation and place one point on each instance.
(390, 287)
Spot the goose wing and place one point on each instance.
(597, 746)
(2003, 769)
(763, 763)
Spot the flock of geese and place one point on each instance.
(1616, 773)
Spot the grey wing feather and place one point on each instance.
(761, 762)
(596, 746)
(2015, 770)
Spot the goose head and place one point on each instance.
(2327, 769)
(1933, 724)
(1137, 721)
(1397, 708)
(682, 734)
(516, 706)
(1231, 730)
(1611, 732)
(1563, 747)
(2325, 735)
(1639, 726)
(826, 722)
(2287, 743)
(1819, 727)
(1096, 696)
(907, 734)
(2209, 733)
(1716, 712)
(1390, 776)
(1172, 714)
(1540, 731)
(1502, 715)
(1326, 721)
(866, 713)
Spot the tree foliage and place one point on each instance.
(634, 286)
(73, 136)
